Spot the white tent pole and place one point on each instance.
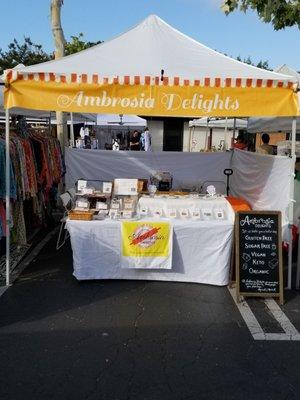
(7, 196)
(298, 263)
(234, 127)
(72, 130)
(291, 203)
(226, 134)
(193, 132)
(206, 134)
(190, 139)
(294, 130)
(210, 138)
(49, 124)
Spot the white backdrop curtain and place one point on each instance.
(186, 168)
(261, 179)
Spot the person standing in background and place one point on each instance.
(240, 142)
(265, 148)
(115, 145)
(135, 141)
(145, 140)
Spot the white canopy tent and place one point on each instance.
(156, 56)
(268, 125)
(87, 119)
(147, 48)
(120, 119)
(222, 126)
(112, 126)
(285, 69)
(228, 123)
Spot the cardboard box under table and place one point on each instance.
(201, 249)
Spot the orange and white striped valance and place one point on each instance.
(150, 95)
(13, 75)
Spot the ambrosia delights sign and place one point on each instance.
(158, 99)
(170, 102)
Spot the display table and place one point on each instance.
(201, 251)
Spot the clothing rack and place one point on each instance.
(36, 167)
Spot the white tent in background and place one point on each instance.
(113, 126)
(120, 119)
(285, 69)
(219, 123)
(87, 119)
(220, 130)
(267, 125)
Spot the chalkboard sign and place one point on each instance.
(259, 254)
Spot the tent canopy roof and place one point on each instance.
(219, 123)
(115, 119)
(283, 124)
(148, 48)
(285, 69)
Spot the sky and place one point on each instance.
(238, 34)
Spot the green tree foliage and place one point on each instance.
(281, 13)
(262, 64)
(77, 43)
(29, 53)
(26, 53)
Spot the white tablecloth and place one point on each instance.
(201, 252)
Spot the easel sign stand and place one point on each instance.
(259, 266)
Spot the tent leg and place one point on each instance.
(72, 130)
(190, 139)
(233, 136)
(291, 205)
(7, 196)
(192, 134)
(210, 138)
(49, 123)
(226, 134)
(298, 263)
(206, 134)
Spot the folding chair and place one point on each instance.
(66, 199)
(72, 193)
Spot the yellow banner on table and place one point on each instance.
(152, 100)
(146, 244)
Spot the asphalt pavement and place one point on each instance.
(119, 340)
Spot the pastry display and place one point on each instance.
(126, 199)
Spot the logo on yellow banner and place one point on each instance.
(145, 239)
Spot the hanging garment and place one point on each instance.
(13, 188)
(36, 166)
(19, 223)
